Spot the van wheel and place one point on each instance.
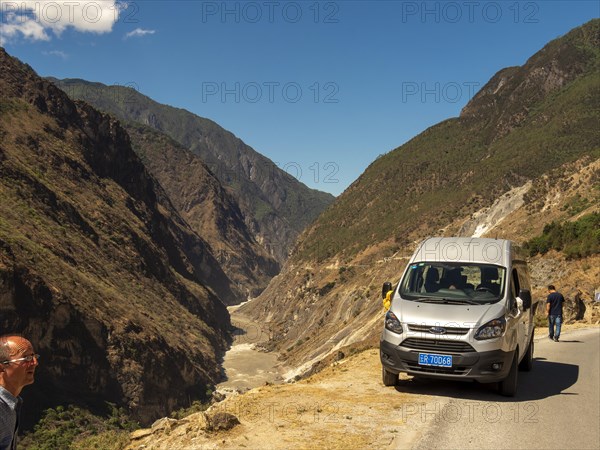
(389, 378)
(527, 362)
(508, 386)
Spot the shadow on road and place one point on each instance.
(547, 378)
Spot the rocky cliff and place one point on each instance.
(97, 268)
(209, 208)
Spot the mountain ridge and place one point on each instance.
(209, 208)
(327, 295)
(277, 207)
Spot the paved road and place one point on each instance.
(557, 405)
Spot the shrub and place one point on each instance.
(195, 407)
(74, 428)
(575, 239)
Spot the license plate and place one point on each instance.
(433, 359)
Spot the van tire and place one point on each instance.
(527, 362)
(389, 378)
(508, 386)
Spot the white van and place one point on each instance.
(462, 311)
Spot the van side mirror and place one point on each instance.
(525, 295)
(387, 287)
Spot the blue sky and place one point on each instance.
(321, 88)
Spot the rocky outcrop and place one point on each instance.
(209, 208)
(577, 280)
(506, 100)
(116, 292)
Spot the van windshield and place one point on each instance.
(453, 282)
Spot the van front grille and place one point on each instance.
(437, 345)
(427, 329)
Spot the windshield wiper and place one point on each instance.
(460, 301)
(456, 301)
(423, 299)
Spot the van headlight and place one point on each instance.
(493, 329)
(392, 323)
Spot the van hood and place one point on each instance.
(440, 314)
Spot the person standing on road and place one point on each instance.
(17, 368)
(554, 311)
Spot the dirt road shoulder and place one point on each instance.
(344, 406)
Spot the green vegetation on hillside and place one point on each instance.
(576, 239)
(74, 428)
(95, 262)
(528, 127)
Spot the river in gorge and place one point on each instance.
(245, 366)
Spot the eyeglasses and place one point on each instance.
(27, 358)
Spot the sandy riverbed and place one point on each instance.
(245, 366)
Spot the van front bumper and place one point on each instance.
(485, 367)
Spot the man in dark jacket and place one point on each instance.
(554, 311)
(17, 368)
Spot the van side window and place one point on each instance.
(515, 285)
(523, 277)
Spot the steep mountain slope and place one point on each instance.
(210, 209)
(97, 268)
(528, 125)
(275, 205)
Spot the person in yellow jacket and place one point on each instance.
(387, 301)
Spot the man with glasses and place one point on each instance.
(17, 367)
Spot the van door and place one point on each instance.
(526, 285)
(518, 314)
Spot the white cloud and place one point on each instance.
(35, 19)
(138, 32)
(30, 29)
(58, 53)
